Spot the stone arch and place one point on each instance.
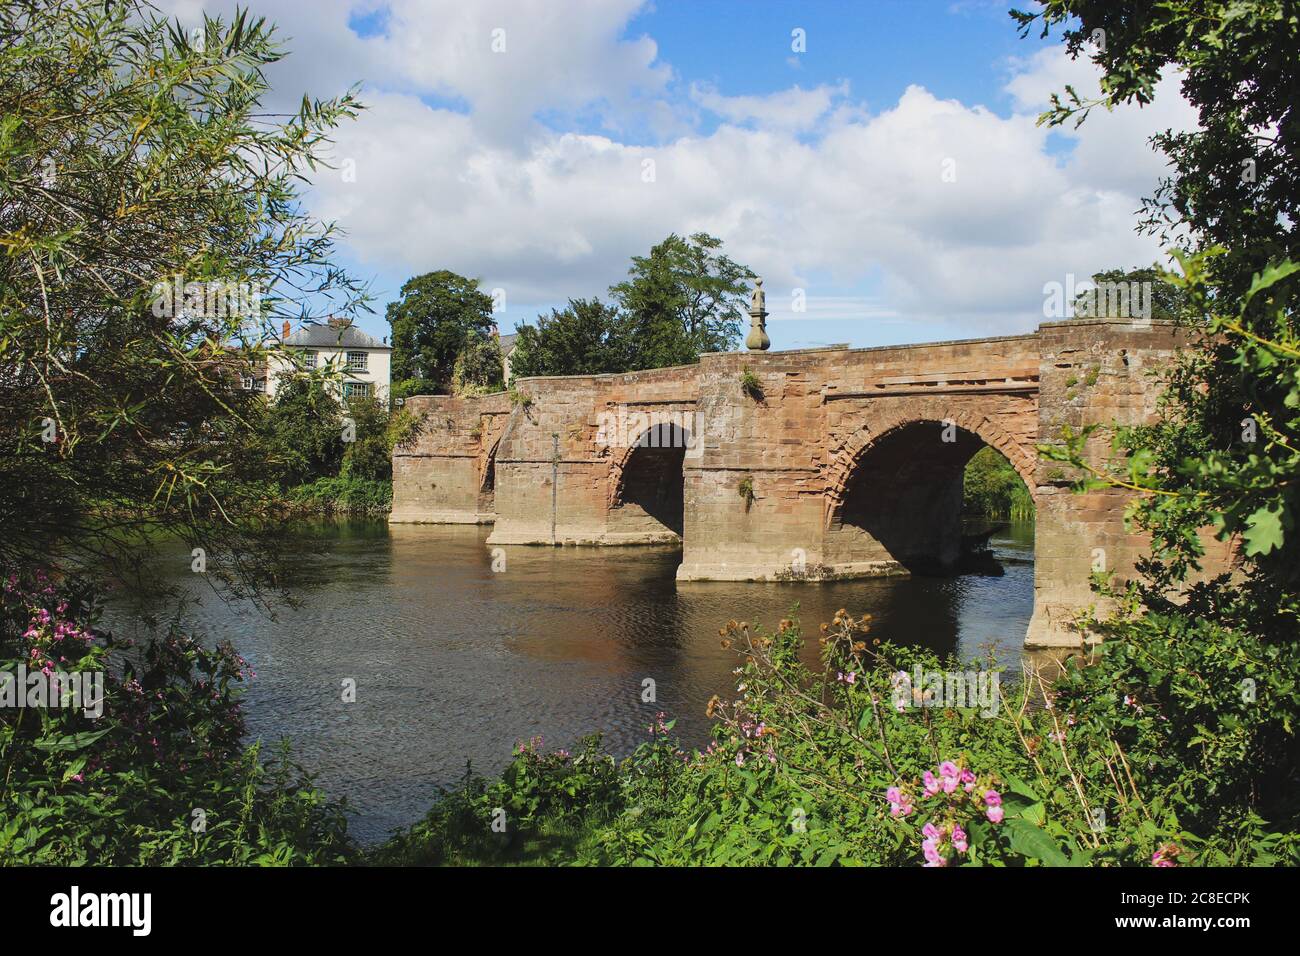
(859, 444)
(646, 496)
(622, 456)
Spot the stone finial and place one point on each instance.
(757, 340)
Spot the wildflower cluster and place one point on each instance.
(955, 796)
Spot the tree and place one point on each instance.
(437, 317)
(587, 337)
(1236, 179)
(682, 300)
(479, 368)
(149, 218)
(1239, 62)
(303, 432)
(1165, 302)
(1212, 666)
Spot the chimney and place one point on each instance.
(284, 332)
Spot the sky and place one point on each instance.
(877, 162)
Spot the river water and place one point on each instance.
(456, 662)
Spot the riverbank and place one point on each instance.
(339, 497)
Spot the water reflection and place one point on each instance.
(454, 662)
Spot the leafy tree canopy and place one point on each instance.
(588, 337)
(682, 300)
(136, 163)
(1165, 300)
(1236, 179)
(438, 315)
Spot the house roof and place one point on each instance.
(330, 336)
(508, 343)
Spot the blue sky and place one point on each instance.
(891, 176)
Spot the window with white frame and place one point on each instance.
(308, 359)
(358, 361)
(356, 389)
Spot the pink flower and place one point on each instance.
(932, 832)
(994, 814)
(1165, 856)
(900, 802)
(949, 769)
(931, 784)
(993, 798)
(932, 855)
(959, 839)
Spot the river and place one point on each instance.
(454, 662)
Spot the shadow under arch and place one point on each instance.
(647, 487)
(897, 503)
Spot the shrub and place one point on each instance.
(161, 777)
(344, 495)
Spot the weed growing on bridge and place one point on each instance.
(746, 491)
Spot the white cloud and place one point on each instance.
(803, 185)
(794, 110)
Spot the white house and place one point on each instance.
(364, 361)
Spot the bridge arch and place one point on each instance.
(848, 460)
(647, 484)
(894, 492)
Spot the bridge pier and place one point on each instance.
(802, 465)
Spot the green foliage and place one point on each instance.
(342, 496)
(1235, 181)
(587, 337)
(992, 488)
(1213, 663)
(746, 490)
(544, 805)
(437, 318)
(854, 763)
(131, 160)
(123, 788)
(682, 300)
(1167, 301)
(303, 440)
(302, 432)
(479, 368)
(369, 456)
(750, 384)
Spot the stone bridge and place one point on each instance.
(811, 464)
